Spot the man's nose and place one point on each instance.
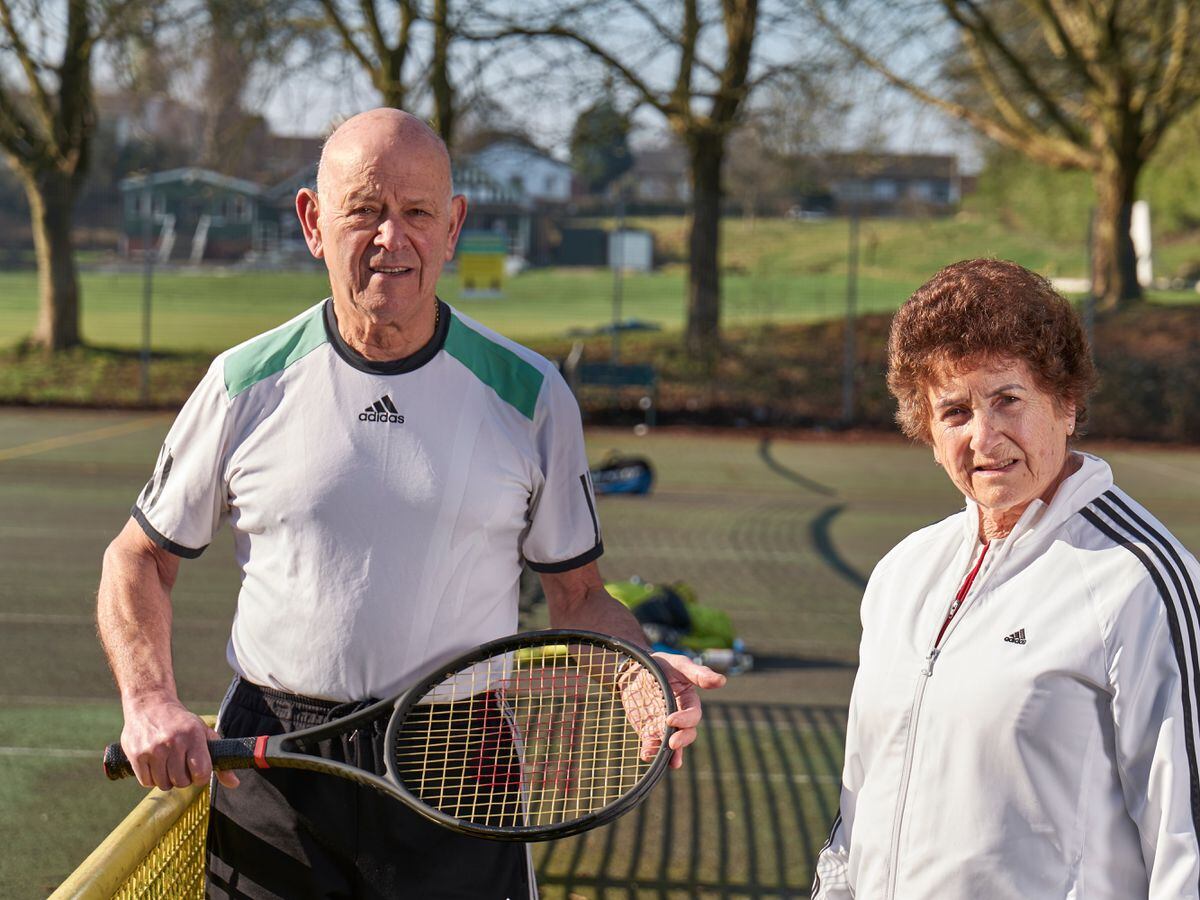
(390, 235)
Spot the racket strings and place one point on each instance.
(533, 739)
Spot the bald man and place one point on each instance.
(385, 464)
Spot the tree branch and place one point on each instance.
(339, 25)
(981, 32)
(1055, 152)
(30, 66)
(689, 33)
(648, 94)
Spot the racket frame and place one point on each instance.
(278, 751)
(529, 833)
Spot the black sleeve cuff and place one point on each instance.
(161, 540)
(568, 564)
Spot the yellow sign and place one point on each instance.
(481, 260)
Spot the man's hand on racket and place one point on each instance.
(578, 599)
(167, 745)
(685, 676)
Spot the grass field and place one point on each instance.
(775, 270)
(211, 310)
(780, 533)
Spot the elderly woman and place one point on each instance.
(1024, 720)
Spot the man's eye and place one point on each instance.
(363, 211)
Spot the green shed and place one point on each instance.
(196, 215)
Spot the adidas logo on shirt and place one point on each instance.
(1017, 637)
(382, 410)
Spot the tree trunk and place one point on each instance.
(439, 75)
(393, 92)
(704, 287)
(51, 207)
(1114, 264)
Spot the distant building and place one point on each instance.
(195, 215)
(515, 165)
(660, 177)
(500, 208)
(890, 184)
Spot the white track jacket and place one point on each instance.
(1048, 748)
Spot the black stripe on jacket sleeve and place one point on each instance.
(1136, 542)
(162, 540)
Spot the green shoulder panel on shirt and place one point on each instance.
(274, 351)
(517, 382)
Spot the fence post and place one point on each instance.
(848, 352)
(1089, 300)
(618, 265)
(147, 286)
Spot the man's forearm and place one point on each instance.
(133, 616)
(165, 743)
(578, 599)
(598, 611)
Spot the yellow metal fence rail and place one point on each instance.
(156, 852)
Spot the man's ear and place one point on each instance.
(308, 211)
(458, 215)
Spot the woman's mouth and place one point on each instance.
(995, 468)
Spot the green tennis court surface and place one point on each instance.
(779, 533)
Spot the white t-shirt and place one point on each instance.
(380, 511)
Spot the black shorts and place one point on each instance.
(286, 834)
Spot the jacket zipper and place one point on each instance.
(939, 640)
(894, 854)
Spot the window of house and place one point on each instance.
(884, 189)
(241, 209)
(921, 190)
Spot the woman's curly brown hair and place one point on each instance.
(980, 310)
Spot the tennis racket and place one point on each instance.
(525, 738)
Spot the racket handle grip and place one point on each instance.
(228, 753)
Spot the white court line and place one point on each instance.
(18, 618)
(1175, 472)
(56, 752)
(741, 775)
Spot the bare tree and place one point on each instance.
(47, 119)
(238, 40)
(705, 52)
(1074, 84)
(386, 41)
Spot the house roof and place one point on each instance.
(480, 188)
(889, 165)
(510, 147)
(191, 175)
(668, 160)
(305, 176)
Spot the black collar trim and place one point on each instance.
(390, 366)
